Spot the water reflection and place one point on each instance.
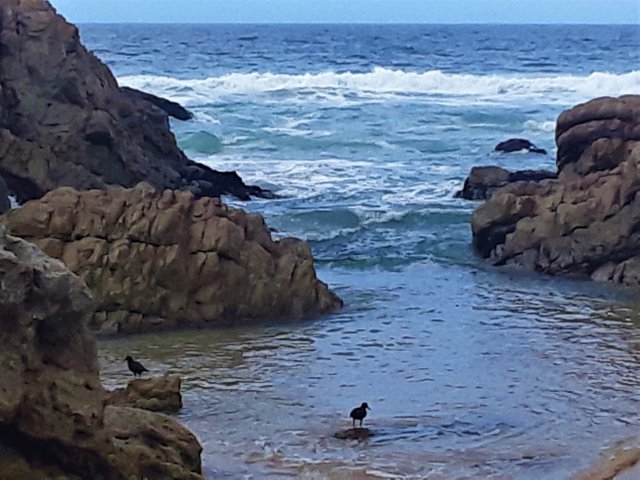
(470, 373)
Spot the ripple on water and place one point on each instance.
(487, 375)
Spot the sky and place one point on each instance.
(350, 11)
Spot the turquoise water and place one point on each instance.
(366, 132)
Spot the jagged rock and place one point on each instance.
(65, 122)
(585, 223)
(354, 434)
(53, 421)
(157, 394)
(517, 144)
(5, 203)
(483, 181)
(157, 260)
(172, 109)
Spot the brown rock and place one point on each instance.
(585, 223)
(53, 422)
(483, 181)
(620, 461)
(159, 260)
(157, 394)
(65, 122)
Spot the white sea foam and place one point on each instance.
(542, 126)
(384, 82)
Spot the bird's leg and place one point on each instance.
(354, 423)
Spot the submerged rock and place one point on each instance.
(157, 394)
(157, 260)
(354, 434)
(53, 420)
(65, 121)
(584, 223)
(483, 181)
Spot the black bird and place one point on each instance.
(359, 413)
(135, 367)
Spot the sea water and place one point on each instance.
(366, 132)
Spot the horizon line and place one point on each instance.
(362, 23)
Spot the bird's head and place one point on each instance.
(365, 406)
(128, 358)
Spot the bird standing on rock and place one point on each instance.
(359, 413)
(136, 367)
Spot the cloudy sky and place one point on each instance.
(349, 11)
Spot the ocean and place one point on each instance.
(366, 132)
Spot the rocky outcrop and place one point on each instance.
(157, 394)
(157, 260)
(65, 122)
(53, 420)
(587, 222)
(172, 109)
(483, 181)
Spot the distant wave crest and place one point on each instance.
(384, 82)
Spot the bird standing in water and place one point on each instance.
(136, 367)
(359, 413)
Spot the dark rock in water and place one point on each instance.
(354, 434)
(483, 181)
(585, 222)
(5, 203)
(206, 182)
(517, 144)
(172, 109)
(65, 121)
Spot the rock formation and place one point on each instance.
(65, 122)
(483, 181)
(587, 222)
(157, 260)
(53, 420)
(157, 394)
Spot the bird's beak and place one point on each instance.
(368, 407)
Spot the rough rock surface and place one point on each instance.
(158, 260)
(65, 122)
(483, 181)
(157, 394)
(587, 222)
(53, 421)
